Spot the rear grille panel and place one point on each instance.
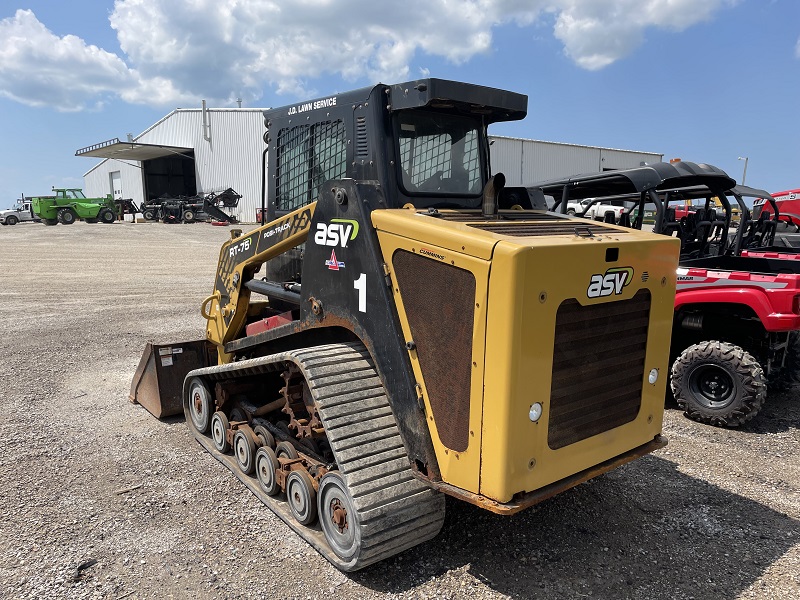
(439, 302)
(598, 366)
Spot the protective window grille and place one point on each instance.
(307, 157)
(426, 156)
(471, 160)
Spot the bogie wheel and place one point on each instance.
(106, 215)
(302, 497)
(188, 216)
(718, 383)
(338, 516)
(267, 466)
(66, 216)
(237, 415)
(264, 436)
(286, 450)
(244, 448)
(11, 220)
(200, 405)
(219, 429)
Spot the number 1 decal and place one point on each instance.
(360, 285)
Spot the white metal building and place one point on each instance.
(189, 151)
(524, 162)
(199, 151)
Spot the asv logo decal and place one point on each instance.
(611, 282)
(336, 233)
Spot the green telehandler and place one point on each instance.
(67, 205)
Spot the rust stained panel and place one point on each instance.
(439, 301)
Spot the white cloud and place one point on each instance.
(40, 68)
(179, 51)
(596, 34)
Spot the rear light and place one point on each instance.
(796, 305)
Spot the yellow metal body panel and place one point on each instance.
(526, 289)
(461, 469)
(521, 283)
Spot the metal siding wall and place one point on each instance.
(97, 182)
(233, 158)
(622, 159)
(528, 161)
(549, 160)
(505, 155)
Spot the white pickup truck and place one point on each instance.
(596, 211)
(20, 213)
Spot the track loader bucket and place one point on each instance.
(158, 382)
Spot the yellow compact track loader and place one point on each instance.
(418, 329)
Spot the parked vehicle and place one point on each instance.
(592, 208)
(769, 231)
(188, 209)
(736, 319)
(386, 357)
(786, 202)
(22, 212)
(687, 207)
(68, 205)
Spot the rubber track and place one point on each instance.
(395, 510)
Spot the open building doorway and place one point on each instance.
(172, 175)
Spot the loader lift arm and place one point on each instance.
(225, 310)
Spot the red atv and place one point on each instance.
(736, 318)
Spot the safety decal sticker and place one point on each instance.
(333, 264)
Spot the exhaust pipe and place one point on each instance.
(491, 193)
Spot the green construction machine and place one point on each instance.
(67, 205)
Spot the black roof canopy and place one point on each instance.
(657, 177)
(494, 105)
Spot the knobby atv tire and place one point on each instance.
(388, 509)
(718, 383)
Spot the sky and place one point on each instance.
(712, 81)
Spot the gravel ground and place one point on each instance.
(101, 500)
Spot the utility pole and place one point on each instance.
(744, 174)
